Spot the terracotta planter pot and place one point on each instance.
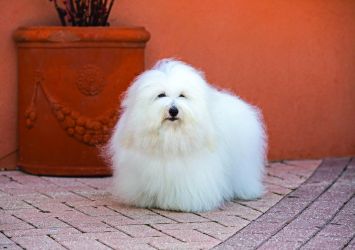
(69, 83)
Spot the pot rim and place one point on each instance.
(60, 34)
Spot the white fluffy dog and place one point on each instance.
(181, 144)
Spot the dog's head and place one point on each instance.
(167, 107)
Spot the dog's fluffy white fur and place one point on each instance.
(211, 151)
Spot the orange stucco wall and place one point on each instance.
(293, 59)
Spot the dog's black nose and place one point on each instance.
(173, 111)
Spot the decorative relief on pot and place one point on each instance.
(90, 80)
(91, 131)
(30, 113)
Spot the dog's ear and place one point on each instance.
(127, 97)
(124, 100)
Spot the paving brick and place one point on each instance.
(351, 244)
(18, 212)
(131, 242)
(265, 228)
(29, 179)
(263, 204)
(280, 244)
(304, 164)
(324, 207)
(227, 220)
(64, 196)
(276, 189)
(8, 219)
(29, 213)
(306, 223)
(34, 198)
(4, 179)
(278, 217)
(349, 207)
(20, 191)
(37, 242)
(14, 204)
(51, 206)
(5, 240)
(291, 177)
(139, 231)
(328, 170)
(213, 229)
(181, 217)
(156, 240)
(190, 236)
(4, 196)
(291, 206)
(118, 220)
(12, 185)
(89, 203)
(12, 246)
(242, 211)
(153, 219)
(344, 193)
(279, 168)
(47, 223)
(97, 211)
(185, 246)
(316, 214)
(134, 246)
(297, 235)
(349, 177)
(15, 226)
(324, 242)
(189, 226)
(92, 227)
(243, 241)
(75, 217)
(90, 236)
(308, 192)
(227, 246)
(65, 182)
(281, 182)
(86, 244)
(38, 232)
(336, 230)
(344, 219)
(12, 173)
(219, 233)
(93, 194)
(98, 183)
(131, 212)
(300, 168)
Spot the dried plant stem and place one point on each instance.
(84, 12)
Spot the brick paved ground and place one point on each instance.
(320, 214)
(79, 213)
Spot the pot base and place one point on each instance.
(65, 171)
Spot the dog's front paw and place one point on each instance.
(251, 193)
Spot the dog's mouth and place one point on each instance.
(172, 119)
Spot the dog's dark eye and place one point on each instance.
(182, 95)
(161, 95)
